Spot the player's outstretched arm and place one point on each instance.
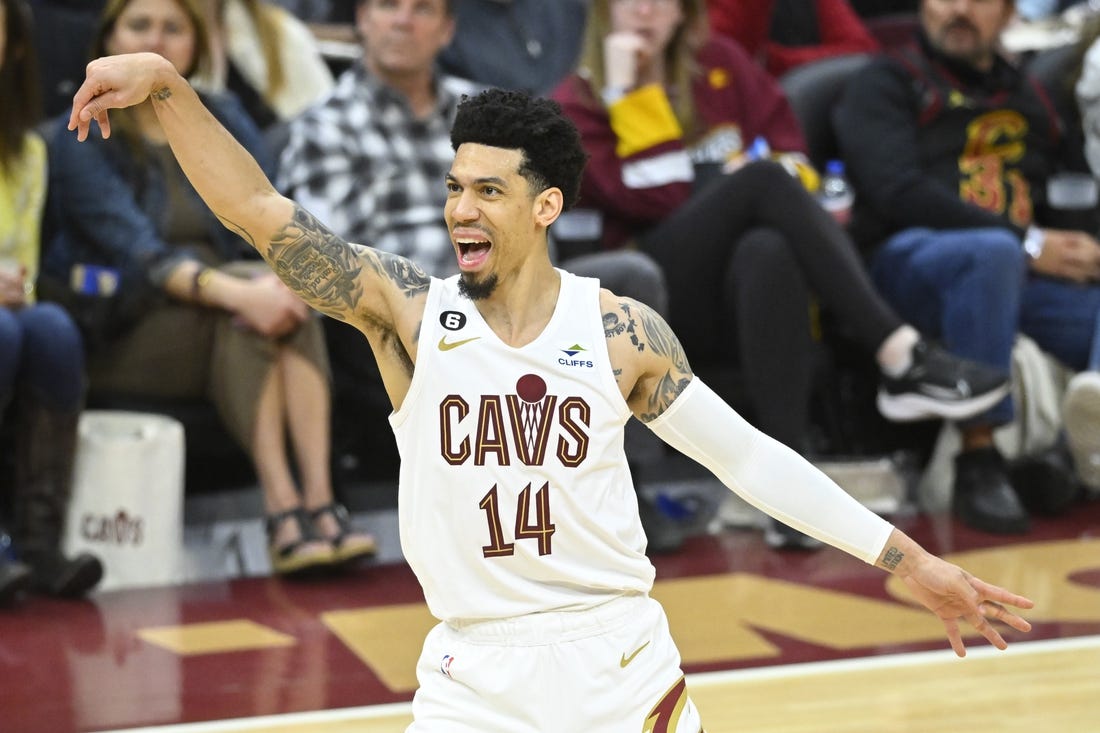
(952, 593)
(352, 283)
(653, 371)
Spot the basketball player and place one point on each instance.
(511, 383)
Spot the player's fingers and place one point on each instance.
(953, 636)
(95, 109)
(104, 124)
(986, 629)
(1002, 614)
(85, 94)
(997, 593)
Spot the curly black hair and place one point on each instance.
(551, 145)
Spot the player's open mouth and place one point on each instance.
(472, 252)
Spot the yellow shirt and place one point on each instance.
(22, 197)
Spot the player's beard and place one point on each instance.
(477, 289)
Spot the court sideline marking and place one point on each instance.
(702, 679)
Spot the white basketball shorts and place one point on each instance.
(611, 669)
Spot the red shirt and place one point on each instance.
(735, 101)
(749, 22)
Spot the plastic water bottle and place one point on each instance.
(836, 194)
(759, 150)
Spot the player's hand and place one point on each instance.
(115, 82)
(953, 594)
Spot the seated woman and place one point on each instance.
(196, 319)
(41, 354)
(658, 101)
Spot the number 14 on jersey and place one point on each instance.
(541, 529)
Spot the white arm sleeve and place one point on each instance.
(768, 474)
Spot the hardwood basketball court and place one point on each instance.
(771, 642)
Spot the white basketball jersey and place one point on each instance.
(515, 496)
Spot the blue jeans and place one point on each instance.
(41, 351)
(972, 289)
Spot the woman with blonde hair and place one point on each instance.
(188, 312)
(264, 55)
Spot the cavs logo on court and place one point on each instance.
(522, 426)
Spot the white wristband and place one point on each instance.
(1034, 241)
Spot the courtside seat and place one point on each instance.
(813, 90)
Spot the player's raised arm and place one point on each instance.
(352, 283)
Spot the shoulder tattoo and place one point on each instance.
(403, 272)
(647, 331)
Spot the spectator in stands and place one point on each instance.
(534, 43)
(197, 320)
(655, 95)
(1086, 87)
(370, 162)
(41, 354)
(1081, 407)
(950, 147)
(370, 159)
(266, 56)
(783, 34)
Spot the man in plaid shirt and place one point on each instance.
(370, 159)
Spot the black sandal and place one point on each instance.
(347, 544)
(295, 556)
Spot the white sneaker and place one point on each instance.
(1081, 417)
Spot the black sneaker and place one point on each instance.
(779, 536)
(939, 384)
(983, 497)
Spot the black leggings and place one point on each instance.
(741, 257)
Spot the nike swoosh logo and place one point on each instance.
(625, 660)
(444, 346)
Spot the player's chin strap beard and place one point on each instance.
(477, 289)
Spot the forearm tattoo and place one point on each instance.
(647, 330)
(325, 270)
(161, 94)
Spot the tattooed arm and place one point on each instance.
(650, 365)
(362, 286)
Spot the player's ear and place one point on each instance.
(548, 206)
